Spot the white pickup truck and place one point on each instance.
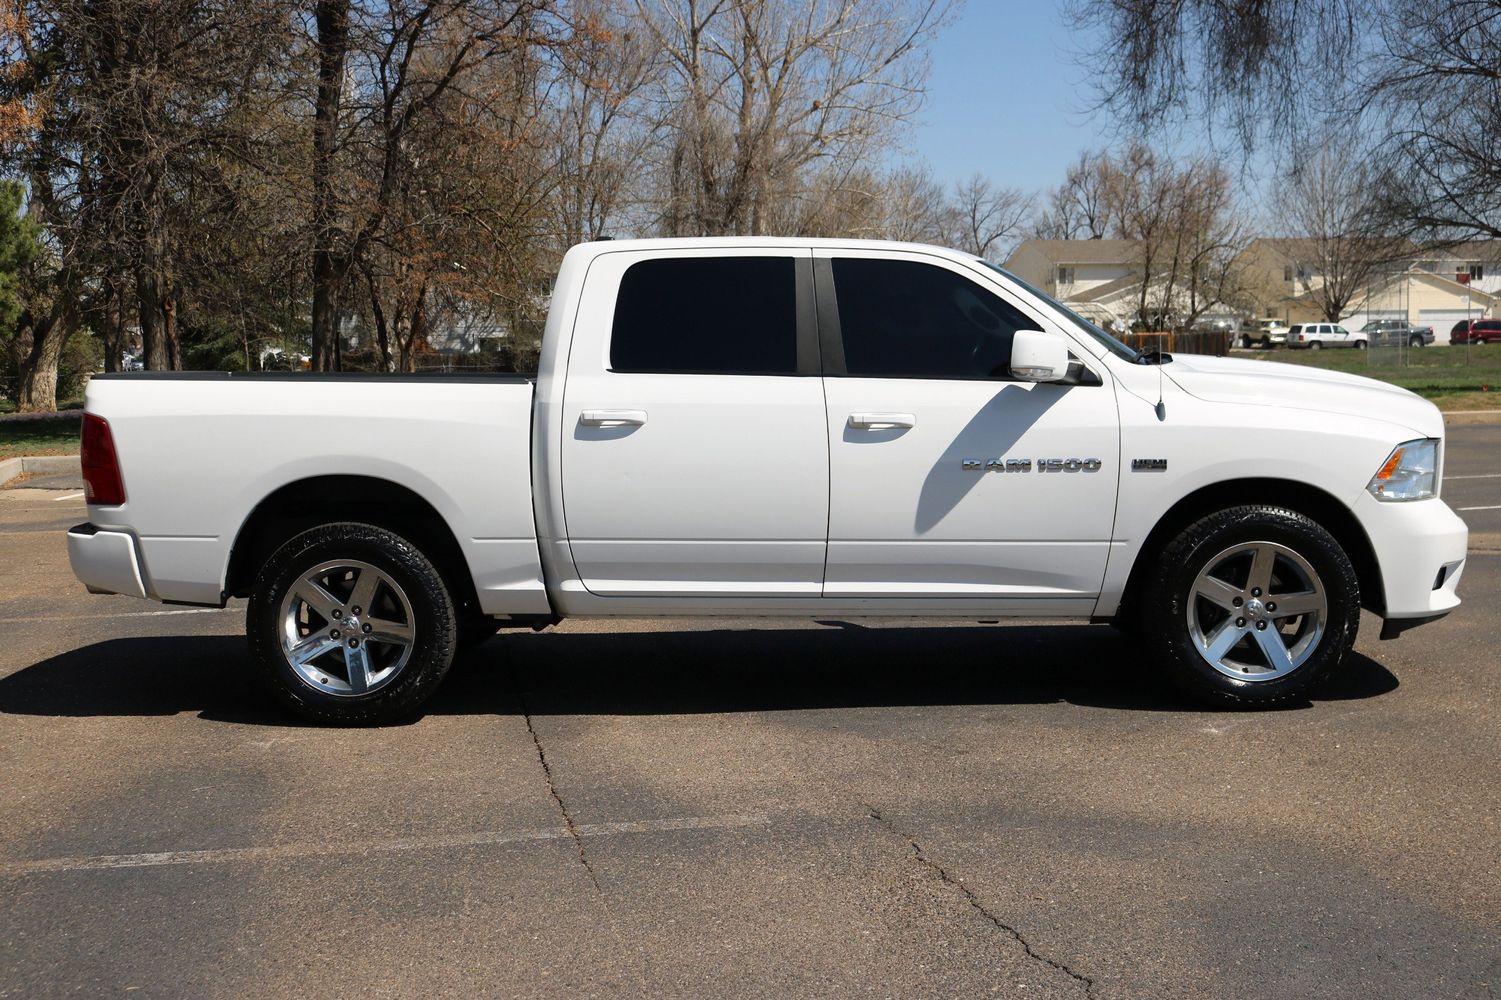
(777, 427)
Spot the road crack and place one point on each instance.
(979, 907)
(552, 788)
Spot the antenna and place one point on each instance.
(1161, 410)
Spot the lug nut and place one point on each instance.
(1271, 605)
(334, 634)
(353, 643)
(365, 629)
(1255, 592)
(356, 610)
(1240, 623)
(338, 613)
(1261, 626)
(1237, 602)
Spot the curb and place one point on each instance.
(1462, 418)
(10, 468)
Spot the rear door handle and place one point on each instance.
(613, 418)
(881, 421)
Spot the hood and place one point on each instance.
(1300, 387)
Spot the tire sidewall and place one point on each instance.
(432, 612)
(1186, 556)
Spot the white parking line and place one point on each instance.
(1483, 475)
(70, 496)
(278, 852)
(1492, 507)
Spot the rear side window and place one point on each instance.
(904, 319)
(707, 315)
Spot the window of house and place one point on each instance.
(1477, 272)
(706, 315)
(904, 319)
(1287, 272)
(1065, 276)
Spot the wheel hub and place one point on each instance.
(1257, 611)
(347, 628)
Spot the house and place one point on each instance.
(1067, 269)
(1283, 277)
(1101, 280)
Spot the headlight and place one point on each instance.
(1409, 473)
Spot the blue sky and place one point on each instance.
(1006, 97)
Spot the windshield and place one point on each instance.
(1093, 332)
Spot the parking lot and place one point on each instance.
(671, 808)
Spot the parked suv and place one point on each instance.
(1391, 332)
(1263, 333)
(1316, 336)
(1476, 331)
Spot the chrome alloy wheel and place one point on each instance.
(347, 628)
(1257, 611)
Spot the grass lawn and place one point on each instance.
(41, 436)
(1437, 373)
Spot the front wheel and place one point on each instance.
(1359, 345)
(1266, 343)
(1253, 606)
(1245, 342)
(1415, 342)
(350, 623)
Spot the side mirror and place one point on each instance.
(1038, 356)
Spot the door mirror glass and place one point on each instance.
(1038, 356)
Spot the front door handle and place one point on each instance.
(613, 418)
(881, 421)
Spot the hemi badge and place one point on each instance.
(1148, 464)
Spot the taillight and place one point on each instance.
(101, 466)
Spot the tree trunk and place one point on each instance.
(37, 388)
(328, 273)
(158, 329)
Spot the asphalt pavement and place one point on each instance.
(684, 808)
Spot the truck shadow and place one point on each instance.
(647, 673)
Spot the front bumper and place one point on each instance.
(1420, 550)
(108, 562)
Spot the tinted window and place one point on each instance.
(904, 319)
(721, 315)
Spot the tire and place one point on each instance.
(1225, 555)
(304, 598)
(1359, 345)
(1245, 342)
(1415, 342)
(1315, 346)
(1266, 344)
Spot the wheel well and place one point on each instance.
(307, 503)
(1332, 515)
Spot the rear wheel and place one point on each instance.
(1415, 342)
(1245, 342)
(351, 623)
(1253, 606)
(1315, 346)
(1359, 345)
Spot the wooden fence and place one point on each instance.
(1192, 342)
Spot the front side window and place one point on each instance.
(904, 319)
(706, 315)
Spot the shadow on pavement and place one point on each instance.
(645, 673)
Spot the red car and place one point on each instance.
(1476, 331)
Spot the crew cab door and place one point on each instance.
(694, 452)
(948, 479)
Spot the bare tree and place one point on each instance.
(985, 219)
(1076, 209)
(1422, 76)
(1330, 202)
(757, 92)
